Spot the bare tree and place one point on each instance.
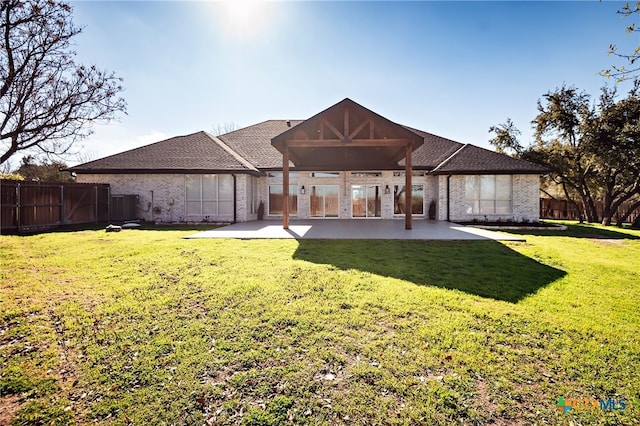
(47, 101)
(622, 73)
(221, 129)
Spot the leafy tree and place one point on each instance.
(11, 176)
(622, 73)
(559, 144)
(48, 101)
(45, 171)
(506, 139)
(593, 150)
(614, 139)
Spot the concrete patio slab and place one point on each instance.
(355, 229)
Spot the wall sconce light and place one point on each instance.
(387, 190)
(302, 189)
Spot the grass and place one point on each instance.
(143, 327)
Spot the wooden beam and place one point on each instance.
(371, 129)
(360, 127)
(346, 124)
(285, 188)
(303, 143)
(407, 188)
(333, 128)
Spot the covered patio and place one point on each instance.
(357, 229)
(346, 137)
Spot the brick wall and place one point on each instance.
(525, 200)
(162, 196)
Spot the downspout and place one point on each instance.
(449, 198)
(235, 199)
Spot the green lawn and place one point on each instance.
(144, 327)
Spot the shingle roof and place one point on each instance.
(249, 150)
(254, 142)
(434, 151)
(470, 159)
(199, 151)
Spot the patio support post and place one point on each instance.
(285, 188)
(407, 188)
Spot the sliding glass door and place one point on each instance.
(366, 201)
(324, 200)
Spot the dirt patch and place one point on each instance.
(9, 406)
(483, 397)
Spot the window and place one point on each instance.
(209, 195)
(280, 174)
(417, 199)
(488, 194)
(276, 200)
(252, 194)
(413, 173)
(324, 174)
(366, 174)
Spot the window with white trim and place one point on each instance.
(209, 195)
(488, 194)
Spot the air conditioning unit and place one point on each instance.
(124, 207)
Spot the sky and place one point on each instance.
(450, 68)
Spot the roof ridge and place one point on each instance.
(415, 129)
(449, 158)
(230, 151)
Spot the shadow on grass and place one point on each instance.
(582, 230)
(482, 268)
(144, 226)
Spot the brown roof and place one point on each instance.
(199, 151)
(249, 150)
(470, 159)
(254, 142)
(433, 152)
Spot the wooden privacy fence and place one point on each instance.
(32, 206)
(566, 210)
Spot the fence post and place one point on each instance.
(18, 212)
(62, 212)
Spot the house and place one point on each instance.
(344, 162)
